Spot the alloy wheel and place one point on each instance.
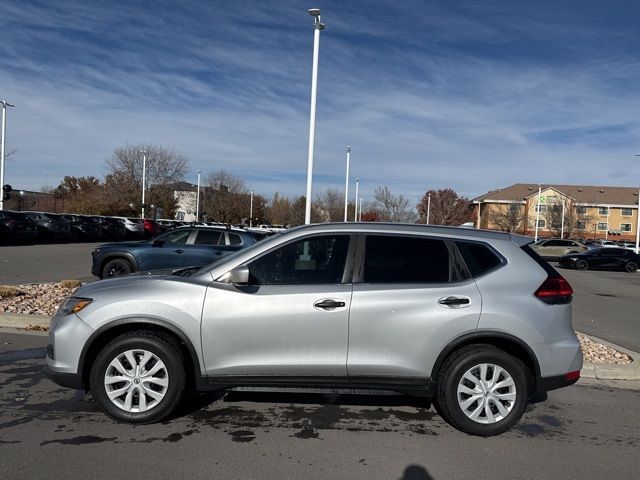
(136, 381)
(486, 393)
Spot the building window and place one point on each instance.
(603, 210)
(603, 226)
(627, 212)
(581, 210)
(625, 227)
(581, 225)
(541, 208)
(542, 223)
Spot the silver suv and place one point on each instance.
(472, 320)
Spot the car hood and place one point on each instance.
(118, 245)
(116, 282)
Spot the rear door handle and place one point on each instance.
(329, 304)
(454, 302)
(178, 251)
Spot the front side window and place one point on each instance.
(313, 261)
(396, 259)
(179, 237)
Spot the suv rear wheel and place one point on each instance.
(631, 267)
(482, 390)
(138, 377)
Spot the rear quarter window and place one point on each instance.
(479, 257)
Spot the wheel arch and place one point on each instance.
(108, 332)
(504, 341)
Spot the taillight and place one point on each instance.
(555, 291)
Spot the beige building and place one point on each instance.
(572, 210)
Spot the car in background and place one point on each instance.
(414, 309)
(16, 227)
(133, 226)
(50, 227)
(151, 228)
(556, 247)
(605, 243)
(81, 228)
(166, 224)
(180, 248)
(628, 245)
(603, 258)
(112, 228)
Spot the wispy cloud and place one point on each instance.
(428, 94)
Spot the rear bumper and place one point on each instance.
(67, 380)
(545, 384)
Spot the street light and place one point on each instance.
(251, 210)
(198, 199)
(637, 220)
(144, 179)
(355, 212)
(5, 104)
(428, 207)
(318, 25)
(360, 210)
(346, 185)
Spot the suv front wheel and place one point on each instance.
(138, 377)
(482, 390)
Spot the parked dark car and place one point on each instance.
(179, 248)
(16, 227)
(50, 227)
(605, 258)
(83, 229)
(112, 228)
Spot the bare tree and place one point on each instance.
(508, 218)
(330, 205)
(228, 198)
(392, 208)
(124, 180)
(447, 208)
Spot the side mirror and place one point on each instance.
(158, 243)
(239, 275)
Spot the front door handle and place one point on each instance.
(454, 302)
(329, 304)
(178, 251)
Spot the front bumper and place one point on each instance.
(67, 380)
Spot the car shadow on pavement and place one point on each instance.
(416, 472)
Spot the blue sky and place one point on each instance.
(429, 94)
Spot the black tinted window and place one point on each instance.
(319, 260)
(478, 257)
(395, 259)
(234, 239)
(207, 237)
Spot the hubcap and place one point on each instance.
(115, 271)
(486, 393)
(136, 381)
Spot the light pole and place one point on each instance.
(251, 210)
(562, 224)
(428, 207)
(538, 211)
(637, 218)
(198, 199)
(314, 12)
(360, 210)
(144, 179)
(5, 104)
(346, 185)
(355, 210)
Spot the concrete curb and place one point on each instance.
(589, 370)
(603, 371)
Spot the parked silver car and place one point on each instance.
(472, 320)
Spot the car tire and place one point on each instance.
(482, 410)
(151, 389)
(631, 267)
(116, 268)
(582, 265)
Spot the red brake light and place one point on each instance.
(572, 375)
(554, 290)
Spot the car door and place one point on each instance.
(206, 247)
(408, 304)
(292, 318)
(165, 251)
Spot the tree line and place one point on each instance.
(227, 198)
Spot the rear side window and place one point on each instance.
(396, 259)
(479, 258)
(206, 237)
(234, 239)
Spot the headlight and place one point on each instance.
(97, 250)
(74, 305)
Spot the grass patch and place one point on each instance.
(71, 283)
(7, 291)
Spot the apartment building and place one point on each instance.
(577, 211)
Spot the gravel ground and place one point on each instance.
(44, 299)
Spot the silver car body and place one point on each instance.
(395, 334)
